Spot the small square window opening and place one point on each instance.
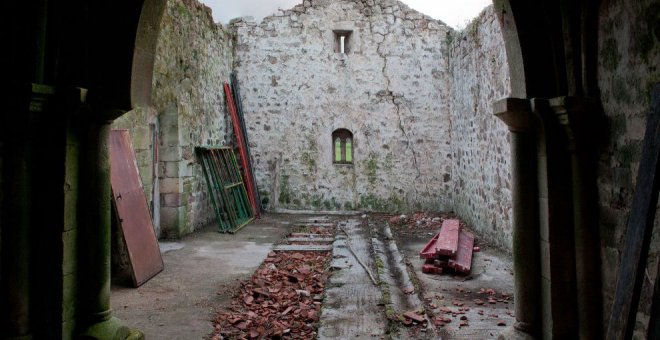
(342, 41)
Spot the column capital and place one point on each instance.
(577, 116)
(570, 110)
(516, 113)
(567, 104)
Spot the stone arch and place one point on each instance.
(87, 70)
(552, 54)
(144, 54)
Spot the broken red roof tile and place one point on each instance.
(263, 306)
(414, 316)
(447, 243)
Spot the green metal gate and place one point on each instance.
(226, 188)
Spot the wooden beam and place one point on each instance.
(638, 235)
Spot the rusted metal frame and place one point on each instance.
(225, 172)
(244, 201)
(226, 188)
(217, 194)
(239, 109)
(221, 178)
(249, 216)
(236, 177)
(227, 183)
(227, 209)
(242, 149)
(206, 167)
(231, 199)
(229, 222)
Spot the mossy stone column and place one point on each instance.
(95, 241)
(518, 116)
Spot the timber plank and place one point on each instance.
(447, 243)
(638, 235)
(463, 261)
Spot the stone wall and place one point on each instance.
(629, 55)
(194, 58)
(390, 90)
(481, 169)
(415, 94)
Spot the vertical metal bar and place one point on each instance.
(233, 159)
(242, 148)
(228, 202)
(239, 108)
(206, 170)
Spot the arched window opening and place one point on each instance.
(342, 146)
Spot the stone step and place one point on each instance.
(308, 235)
(302, 247)
(311, 239)
(316, 224)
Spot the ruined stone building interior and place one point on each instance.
(536, 126)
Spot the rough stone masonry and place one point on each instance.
(388, 89)
(414, 93)
(411, 94)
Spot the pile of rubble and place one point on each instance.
(449, 249)
(281, 300)
(419, 220)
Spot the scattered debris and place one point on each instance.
(400, 219)
(431, 269)
(413, 315)
(280, 302)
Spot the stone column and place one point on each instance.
(516, 113)
(21, 138)
(15, 290)
(95, 244)
(576, 116)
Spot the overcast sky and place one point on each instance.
(455, 13)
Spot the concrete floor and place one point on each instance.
(491, 268)
(201, 273)
(352, 306)
(203, 270)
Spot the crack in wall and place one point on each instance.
(397, 104)
(389, 96)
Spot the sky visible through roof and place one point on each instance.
(455, 13)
